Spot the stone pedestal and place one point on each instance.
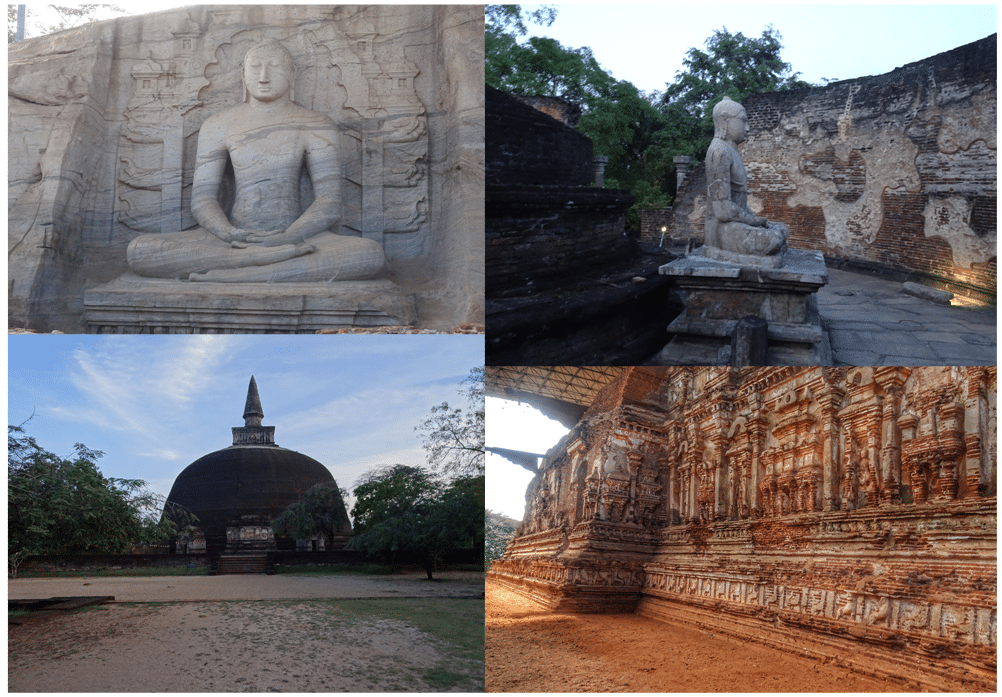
(134, 305)
(718, 294)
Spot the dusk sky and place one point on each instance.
(154, 404)
(646, 43)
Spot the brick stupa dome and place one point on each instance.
(236, 492)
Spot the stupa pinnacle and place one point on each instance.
(253, 413)
(252, 432)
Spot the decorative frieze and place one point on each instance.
(855, 504)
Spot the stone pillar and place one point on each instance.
(750, 342)
(681, 169)
(599, 162)
(977, 478)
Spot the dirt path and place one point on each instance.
(302, 644)
(251, 586)
(531, 650)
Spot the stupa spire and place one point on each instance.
(253, 413)
(252, 432)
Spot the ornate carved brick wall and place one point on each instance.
(895, 171)
(854, 507)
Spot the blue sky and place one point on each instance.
(646, 43)
(154, 404)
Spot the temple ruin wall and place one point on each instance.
(544, 222)
(824, 511)
(892, 172)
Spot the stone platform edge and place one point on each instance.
(134, 305)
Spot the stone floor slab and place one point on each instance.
(872, 322)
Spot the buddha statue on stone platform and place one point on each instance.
(267, 236)
(732, 232)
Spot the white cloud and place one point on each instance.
(141, 387)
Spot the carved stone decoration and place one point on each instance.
(139, 106)
(743, 269)
(856, 509)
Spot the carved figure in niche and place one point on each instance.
(267, 236)
(732, 231)
(868, 479)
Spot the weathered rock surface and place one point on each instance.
(828, 508)
(105, 119)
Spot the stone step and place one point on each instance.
(242, 564)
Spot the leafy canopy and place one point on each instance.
(639, 132)
(732, 65)
(407, 509)
(454, 438)
(66, 506)
(320, 511)
(500, 529)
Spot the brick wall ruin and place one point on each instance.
(544, 220)
(896, 171)
(651, 222)
(825, 511)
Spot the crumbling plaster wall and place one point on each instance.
(895, 172)
(835, 509)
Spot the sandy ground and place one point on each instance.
(531, 650)
(303, 643)
(251, 587)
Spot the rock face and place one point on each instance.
(896, 172)
(105, 123)
(837, 509)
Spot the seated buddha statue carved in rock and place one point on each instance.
(267, 236)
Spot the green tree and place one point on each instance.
(620, 120)
(321, 511)
(66, 506)
(504, 24)
(407, 509)
(733, 65)
(500, 530)
(454, 438)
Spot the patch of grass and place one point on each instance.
(441, 676)
(83, 573)
(458, 624)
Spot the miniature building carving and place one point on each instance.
(845, 509)
(236, 492)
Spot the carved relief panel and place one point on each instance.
(345, 68)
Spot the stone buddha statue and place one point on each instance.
(267, 236)
(732, 232)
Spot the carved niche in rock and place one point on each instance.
(380, 125)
